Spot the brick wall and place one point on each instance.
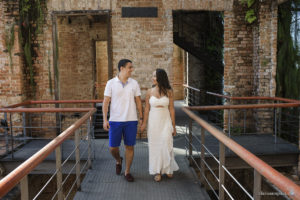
(265, 62)
(178, 70)
(238, 53)
(75, 42)
(148, 42)
(250, 60)
(11, 81)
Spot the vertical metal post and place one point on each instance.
(279, 121)
(244, 121)
(89, 142)
(58, 157)
(199, 98)
(24, 188)
(11, 136)
(77, 156)
(59, 130)
(24, 127)
(202, 165)
(185, 141)
(229, 122)
(41, 117)
(30, 124)
(190, 141)
(6, 134)
(275, 125)
(221, 170)
(257, 186)
(194, 98)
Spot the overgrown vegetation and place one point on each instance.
(31, 20)
(288, 66)
(288, 55)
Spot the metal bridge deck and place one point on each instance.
(101, 182)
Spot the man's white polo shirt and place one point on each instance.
(122, 106)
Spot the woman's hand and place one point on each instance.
(174, 131)
(143, 127)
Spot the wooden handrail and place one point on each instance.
(14, 177)
(283, 183)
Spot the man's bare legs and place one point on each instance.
(116, 154)
(129, 153)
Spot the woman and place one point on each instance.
(161, 126)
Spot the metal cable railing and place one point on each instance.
(277, 121)
(79, 127)
(196, 145)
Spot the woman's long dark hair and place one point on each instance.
(162, 82)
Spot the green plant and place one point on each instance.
(250, 15)
(31, 19)
(9, 41)
(288, 54)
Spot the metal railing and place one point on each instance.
(281, 122)
(261, 169)
(17, 128)
(192, 95)
(79, 130)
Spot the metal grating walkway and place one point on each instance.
(101, 182)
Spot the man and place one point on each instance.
(124, 95)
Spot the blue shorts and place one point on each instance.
(126, 129)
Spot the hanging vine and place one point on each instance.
(31, 20)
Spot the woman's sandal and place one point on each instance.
(170, 175)
(157, 177)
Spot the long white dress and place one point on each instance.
(160, 139)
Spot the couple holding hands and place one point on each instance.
(124, 96)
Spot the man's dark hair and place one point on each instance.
(122, 63)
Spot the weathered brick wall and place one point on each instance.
(10, 80)
(250, 60)
(148, 42)
(238, 53)
(265, 62)
(265, 68)
(75, 42)
(178, 70)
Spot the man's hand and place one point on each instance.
(106, 125)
